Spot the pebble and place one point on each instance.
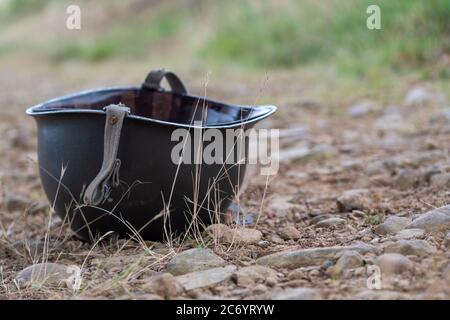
(428, 173)
(330, 222)
(446, 273)
(39, 207)
(393, 263)
(248, 276)
(297, 274)
(406, 179)
(196, 259)
(302, 152)
(282, 205)
(236, 235)
(440, 180)
(44, 273)
(392, 225)
(164, 285)
(419, 96)
(271, 281)
(259, 289)
(217, 230)
(16, 202)
(436, 220)
(352, 200)
(309, 257)
(319, 218)
(361, 109)
(447, 240)
(205, 278)
(379, 167)
(349, 259)
(274, 238)
(290, 233)
(410, 234)
(18, 139)
(298, 294)
(418, 248)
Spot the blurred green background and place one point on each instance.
(249, 36)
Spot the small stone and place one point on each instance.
(419, 96)
(428, 173)
(217, 230)
(39, 207)
(259, 289)
(436, 220)
(16, 202)
(164, 285)
(298, 294)
(352, 200)
(248, 276)
(319, 218)
(314, 273)
(309, 257)
(349, 259)
(380, 167)
(18, 139)
(44, 273)
(392, 225)
(418, 248)
(390, 122)
(410, 234)
(406, 179)
(352, 164)
(447, 240)
(243, 236)
(196, 259)
(440, 180)
(298, 273)
(274, 238)
(392, 263)
(327, 264)
(282, 205)
(361, 109)
(237, 235)
(264, 244)
(330, 222)
(302, 152)
(446, 273)
(205, 278)
(271, 281)
(289, 233)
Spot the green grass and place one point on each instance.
(13, 9)
(133, 38)
(283, 34)
(414, 33)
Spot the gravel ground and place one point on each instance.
(352, 214)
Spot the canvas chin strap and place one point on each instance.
(107, 178)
